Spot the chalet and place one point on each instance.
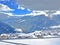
(3, 36)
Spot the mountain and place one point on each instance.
(40, 22)
(30, 24)
(4, 28)
(57, 17)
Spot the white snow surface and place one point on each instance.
(51, 41)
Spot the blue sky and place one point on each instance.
(12, 4)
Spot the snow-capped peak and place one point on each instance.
(57, 26)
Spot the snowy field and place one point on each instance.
(51, 41)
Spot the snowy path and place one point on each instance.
(52, 41)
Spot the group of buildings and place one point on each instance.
(35, 35)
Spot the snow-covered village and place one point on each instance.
(33, 35)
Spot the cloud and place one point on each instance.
(57, 12)
(5, 8)
(12, 14)
(29, 10)
(20, 7)
(40, 4)
(35, 13)
(54, 13)
(9, 14)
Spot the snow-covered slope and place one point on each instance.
(53, 41)
(4, 28)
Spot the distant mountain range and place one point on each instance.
(32, 23)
